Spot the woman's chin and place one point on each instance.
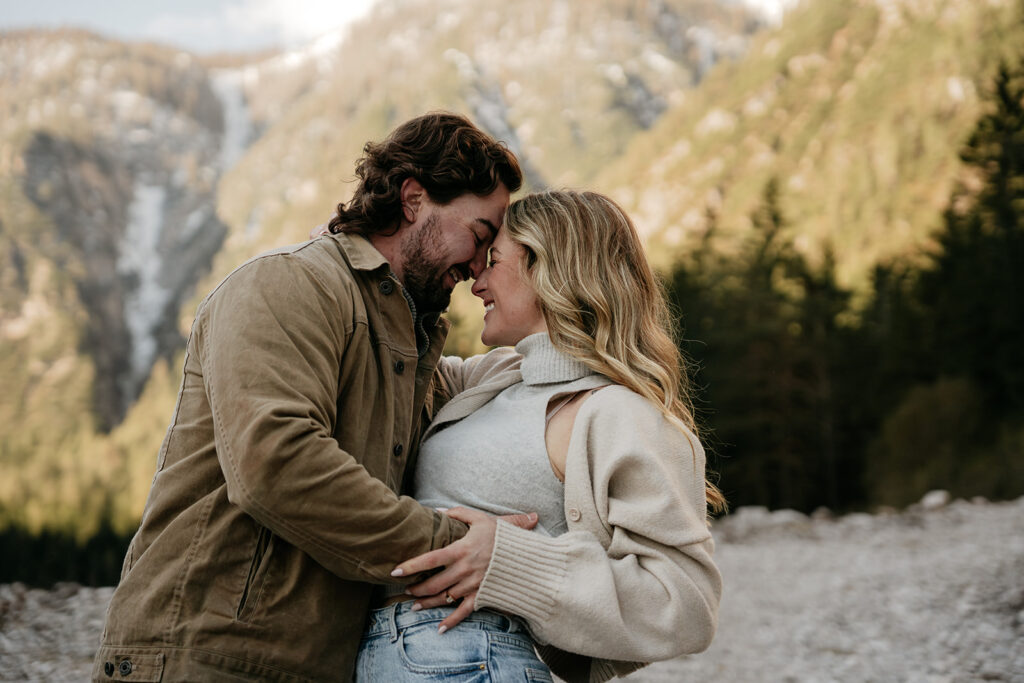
(492, 338)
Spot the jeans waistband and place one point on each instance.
(393, 618)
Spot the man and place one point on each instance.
(307, 376)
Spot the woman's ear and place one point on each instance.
(412, 195)
(531, 257)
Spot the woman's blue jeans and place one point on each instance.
(488, 647)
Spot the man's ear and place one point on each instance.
(412, 195)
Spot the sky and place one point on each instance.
(207, 26)
(202, 26)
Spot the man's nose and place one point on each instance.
(479, 262)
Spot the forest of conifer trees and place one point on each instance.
(809, 399)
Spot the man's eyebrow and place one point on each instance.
(490, 226)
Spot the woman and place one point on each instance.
(586, 423)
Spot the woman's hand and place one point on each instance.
(465, 562)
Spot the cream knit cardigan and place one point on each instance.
(632, 580)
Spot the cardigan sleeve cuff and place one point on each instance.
(525, 573)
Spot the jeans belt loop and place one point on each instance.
(392, 621)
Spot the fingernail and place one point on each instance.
(398, 572)
(442, 629)
(441, 509)
(416, 607)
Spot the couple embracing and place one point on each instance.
(334, 500)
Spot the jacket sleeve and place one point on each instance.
(270, 343)
(650, 591)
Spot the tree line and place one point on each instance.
(811, 396)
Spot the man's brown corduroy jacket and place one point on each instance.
(276, 492)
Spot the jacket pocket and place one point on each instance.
(257, 577)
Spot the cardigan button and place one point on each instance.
(574, 515)
(399, 367)
(397, 450)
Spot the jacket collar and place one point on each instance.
(359, 251)
(430, 329)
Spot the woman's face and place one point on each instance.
(511, 310)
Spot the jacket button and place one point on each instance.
(574, 514)
(399, 367)
(108, 668)
(125, 667)
(397, 450)
(387, 286)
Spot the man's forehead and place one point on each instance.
(487, 223)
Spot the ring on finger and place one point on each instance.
(448, 598)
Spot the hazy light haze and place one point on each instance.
(208, 26)
(202, 26)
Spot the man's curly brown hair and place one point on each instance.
(445, 152)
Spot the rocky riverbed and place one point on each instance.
(931, 594)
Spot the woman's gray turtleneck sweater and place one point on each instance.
(495, 459)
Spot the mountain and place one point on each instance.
(857, 109)
(133, 177)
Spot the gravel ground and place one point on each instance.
(933, 594)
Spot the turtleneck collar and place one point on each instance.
(544, 364)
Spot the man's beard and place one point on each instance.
(422, 276)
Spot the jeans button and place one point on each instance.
(386, 287)
(125, 667)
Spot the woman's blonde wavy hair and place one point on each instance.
(600, 298)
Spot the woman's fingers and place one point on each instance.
(524, 521)
(455, 592)
(426, 561)
(443, 556)
(466, 515)
(461, 611)
(439, 600)
(438, 583)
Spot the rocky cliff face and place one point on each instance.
(129, 186)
